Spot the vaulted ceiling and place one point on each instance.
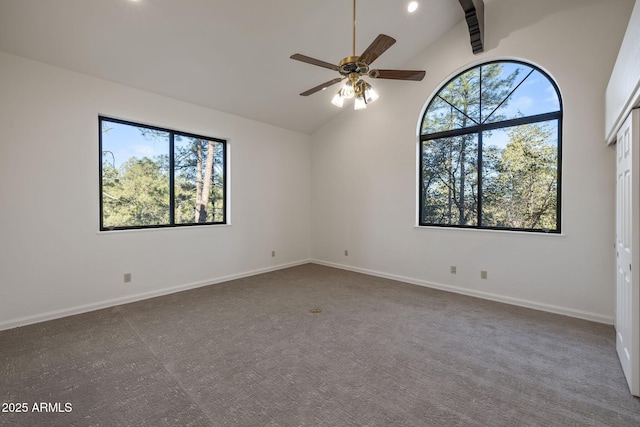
(229, 55)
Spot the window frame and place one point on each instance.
(172, 133)
(478, 130)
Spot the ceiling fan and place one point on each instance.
(353, 68)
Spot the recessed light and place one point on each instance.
(412, 7)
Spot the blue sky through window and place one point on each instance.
(120, 142)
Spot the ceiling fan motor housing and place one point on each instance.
(351, 64)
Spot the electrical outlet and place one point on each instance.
(346, 252)
(454, 270)
(483, 274)
(127, 277)
(273, 253)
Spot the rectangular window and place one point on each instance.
(520, 176)
(450, 180)
(153, 177)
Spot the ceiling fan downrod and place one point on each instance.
(353, 67)
(353, 50)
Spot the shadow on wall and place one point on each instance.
(503, 17)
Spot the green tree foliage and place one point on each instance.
(450, 172)
(518, 181)
(525, 194)
(450, 180)
(199, 180)
(136, 194)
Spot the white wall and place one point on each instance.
(54, 262)
(361, 194)
(623, 91)
(364, 167)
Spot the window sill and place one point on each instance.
(146, 230)
(491, 231)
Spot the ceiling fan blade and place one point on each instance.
(322, 86)
(414, 75)
(377, 48)
(313, 61)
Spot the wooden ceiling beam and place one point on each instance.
(474, 14)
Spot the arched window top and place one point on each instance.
(491, 149)
(491, 93)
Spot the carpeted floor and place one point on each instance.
(250, 353)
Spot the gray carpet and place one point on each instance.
(380, 353)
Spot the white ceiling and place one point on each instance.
(229, 55)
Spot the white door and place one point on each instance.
(627, 251)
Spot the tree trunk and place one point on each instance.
(463, 152)
(199, 207)
(206, 184)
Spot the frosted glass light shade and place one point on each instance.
(370, 95)
(338, 100)
(347, 90)
(359, 104)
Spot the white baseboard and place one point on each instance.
(56, 314)
(585, 315)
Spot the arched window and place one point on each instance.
(490, 150)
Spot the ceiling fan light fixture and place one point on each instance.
(353, 67)
(347, 91)
(337, 99)
(360, 103)
(370, 94)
